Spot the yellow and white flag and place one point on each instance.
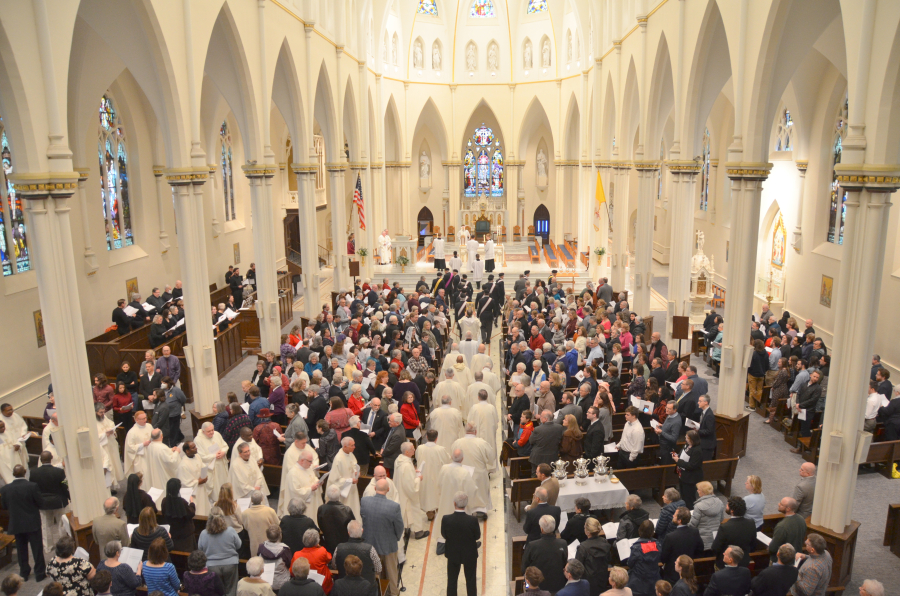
(601, 198)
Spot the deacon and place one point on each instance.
(380, 473)
(245, 475)
(162, 463)
(301, 482)
(345, 475)
(106, 431)
(447, 421)
(408, 481)
(431, 458)
(194, 475)
(212, 451)
(486, 419)
(452, 479)
(136, 442)
(478, 454)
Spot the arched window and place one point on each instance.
(14, 253)
(114, 177)
(838, 214)
(704, 173)
(483, 164)
(536, 6)
(659, 176)
(227, 172)
(482, 9)
(427, 7)
(785, 132)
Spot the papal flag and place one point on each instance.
(601, 198)
(358, 201)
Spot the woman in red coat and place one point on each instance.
(356, 403)
(318, 558)
(410, 413)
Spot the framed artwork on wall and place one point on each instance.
(131, 287)
(237, 253)
(825, 292)
(39, 329)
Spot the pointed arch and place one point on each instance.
(393, 139)
(608, 125)
(572, 138)
(325, 114)
(631, 111)
(430, 118)
(351, 122)
(535, 119)
(661, 97)
(15, 110)
(287, 98)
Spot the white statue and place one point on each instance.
(424, 166)
(541, 164)
(700, 240)
(528, 55)
(436, 57)
(417, 55)
(569, 46)
(471, 60)
(545, 54)
(493, 58)
(384, 247)
(394, 50)
(384, 51)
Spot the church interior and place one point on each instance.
(700, 154)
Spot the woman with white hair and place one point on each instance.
(318, 557)
(253, 584)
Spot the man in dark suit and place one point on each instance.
(533, 516)
(485, 308)
(658, 372)
(461, 533)
(737, 531)
(333, 518)
(22, 499)
(548, 554)
(733, 579)
(594, 438)
(498, 294)
(683, 540)
(777, 578)
(396, 436)
(707, 430)
(575, 586)
(123, 321)
(545, 441)
(51, 482)
(687, 404)
(374, 415)
(364, 446)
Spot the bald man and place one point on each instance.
(805, 491)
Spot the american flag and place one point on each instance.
(358, 200)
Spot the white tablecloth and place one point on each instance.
(603, 495)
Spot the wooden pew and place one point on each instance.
(892, 529)
(550, 255)
(534, 252)
(885, 454)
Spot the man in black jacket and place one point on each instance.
(295, 523)
(364, 446)
(461, 534)
(548, 554)
(395, 438)
(733, 579)
(355, 546)
(318, 407)
(373, 416)
(777, 578)
(594, 438)
(737, 531)
(533, 516)
(707, 430)
(22, 499)
(545, 441)
(683, 540)
(123, 321)
(54, 496)
(333, 518)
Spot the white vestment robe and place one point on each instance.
(478, 362)
(297, 485)
(409, 488)
(449, 360)
(10, 456)
(450, 389)
(290, 459)
(472, 396)
(218, 468)
(135, 452)
(392, 493)
(488, 249)
(189, 473)
(477, 270)
(245, 476)
(477, 453)
(431, 457)
(462, 375)
(162, 464)
(111, 447)
(452, 479)
(455, 264)
(491, 378)
(15, 425)
(384, 248)
(256, 453)
(484, 415)
(438, 248)
(472, 249)
(447, 420)
(344, 470)
(469, 347)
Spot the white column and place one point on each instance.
(862, 269)
(556, 222)
(643, 242)
(339, 225)
(90, 258)
(309, 243)
(54, 264)
(713, 197)
(797, 241)
(160, 211)
(187, 186)
(453, 194)
(620, 174)
(263, 213)
(746, 191)
(406, 189)
(681, 210)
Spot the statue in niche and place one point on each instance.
(394, 51)
(436, 57)
(424, 166)
(417, 55)
(569, 46)
(471, 61)
(493, 57)
(527, 56)
(541, 164)
(384, 52)
(701, 240)
(545, 54)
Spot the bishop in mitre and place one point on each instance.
(106, 431)
(136, 442)
(486, 419)
(245, 475)
(291, 456)
(301, 482)
(409, 483)
(213, 451)
(449, 388)
(431, 457)
(194, 474)
(345, 475)
(454, 477)
(447, 421)
(478, 454)
(380, 473)
(162, 463)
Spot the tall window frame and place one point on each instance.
(115, 198)
(838, 194)
(226, 163)
(784, 134)
(704, 172)
(14, 254)
(482, 9)
(483, 164)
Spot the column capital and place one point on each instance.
(802, 164)
(303, 168)
(336, 167)
(742, 170)
(83, 173)
(874, 178)
(359, 165)
(252, 170)
(45, 185)
(185, 176)
(691, 168)
(648, 166)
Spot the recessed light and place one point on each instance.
(545, 71)
(526, 72)
(471, 74)
(420, 73)
(493, 74)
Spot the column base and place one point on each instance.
(733, 431)
(842, 546)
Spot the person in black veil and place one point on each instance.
(135, 499)
(178, 514)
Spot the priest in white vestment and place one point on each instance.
(478, 454)
(472, 250)
(49, 444)
(190, 472)
(449, 388)
(447, 421)
(213, 451)
(384, 247)
(12, 453)
(256, 452)
(345, 475)
(491, 378)
(136, 442)
(301, 482)
(483, 414)
(409, 484)
(480, 360)
(469, 347)
(290, 459)
(461, 373)
(449, 359)
(380, 473)
(431, 457)
(472, 393)
(453, 478)
(245, 475)
(162, 463)
(15, 424)
(106, 433)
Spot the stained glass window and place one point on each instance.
(536, 6)
(785, 132)
(227, 166)
(483, 164)
(838, 194)
(497, 173)
(469, 173)
(482, 9)
(704, 173)
(427, 7)
(14, 253)
(114, 190)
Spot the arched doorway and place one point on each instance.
(542, 222)
(424, 224)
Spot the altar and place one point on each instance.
(404, 246)
(482, 216)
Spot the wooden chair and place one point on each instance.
(517, 233)
(531, 232)
(451, 233)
